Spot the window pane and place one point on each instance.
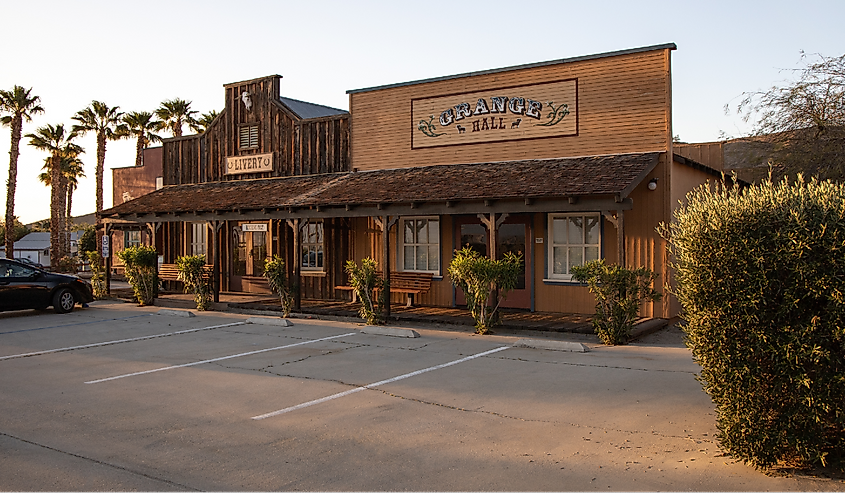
(422, 258)
(319, 261)
(409, 231)
(576, 231)
(593, 230)
(422, 228)
(559, 260)
(591, 253)
(559, 227)
(433, 256)
(433, 231)
(409, 257)
(576, 257)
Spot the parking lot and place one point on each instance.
(117, 397)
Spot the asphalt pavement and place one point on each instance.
(120, 397)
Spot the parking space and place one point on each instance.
(146, 401)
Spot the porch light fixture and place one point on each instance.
(652, 184)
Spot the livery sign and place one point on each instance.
(258, 163)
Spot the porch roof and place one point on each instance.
(580, 183)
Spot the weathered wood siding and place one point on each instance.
(299, 146)
(624, 106)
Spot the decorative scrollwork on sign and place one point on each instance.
(428, 128)
(556, 115)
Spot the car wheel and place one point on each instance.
(63, 301)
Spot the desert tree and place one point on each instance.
(16, 106)
(802, 119)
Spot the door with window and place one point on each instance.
(513, 237)
(249, 250)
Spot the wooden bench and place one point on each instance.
(169, 272)
(410, 283)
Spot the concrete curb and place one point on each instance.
(574, 347)
(277, 321)
(176, 313)
(389, 331)
(646, 327)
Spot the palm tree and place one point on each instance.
(141, 125)
(55, 140)
(72, 169)
(21, 105)
(174, 113)
(106, 123)
(202, 123)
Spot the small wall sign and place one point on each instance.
(258, 163)
(254, 227)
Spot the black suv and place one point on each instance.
(23, 286)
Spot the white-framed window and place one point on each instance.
(312, 245)
(574, 239)
(131, 238)
(419, 244)
(199, 233)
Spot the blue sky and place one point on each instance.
(135, 55)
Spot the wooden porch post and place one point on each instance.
(107, 258)
(385, 264)
(215, 255)
(620, 237)
(297, 263)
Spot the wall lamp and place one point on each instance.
(652, 184)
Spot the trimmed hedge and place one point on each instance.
(760, 273)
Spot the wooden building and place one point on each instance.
(564, 161)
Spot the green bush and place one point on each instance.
(192, 274)
(67, 264)
(277, 277)
(365, 280)
(98, 274)
(479, 278)
(140, 265)
(619, 293)
(88, 240)
(761, 276)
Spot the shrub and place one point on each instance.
(479, 278)
(98, 274)
(619, 293)
(365, 280)
(67, 264)
(140, 265)
(761, 276)
(276, 275)
(88, 240)
(192, 274)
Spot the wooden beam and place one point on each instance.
(385, 264)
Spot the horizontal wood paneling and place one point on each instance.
(623, 106)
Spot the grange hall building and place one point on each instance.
(565, 161)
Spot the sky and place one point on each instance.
(137, 54)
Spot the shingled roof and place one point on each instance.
(572, 178)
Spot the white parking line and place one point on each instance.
(108, 343)
(376, 384)
(219, 359)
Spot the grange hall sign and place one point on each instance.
(257, 163)
(510, 113)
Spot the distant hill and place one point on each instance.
(83, 220)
